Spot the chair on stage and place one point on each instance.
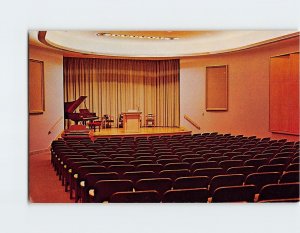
(150, 120)
(120, 121)
(108, 120)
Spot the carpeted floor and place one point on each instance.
(44, 186)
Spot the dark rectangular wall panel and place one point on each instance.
(216, 88)
(36, 87)
(284, 94)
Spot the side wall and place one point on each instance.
(40, 125)
(248, 91)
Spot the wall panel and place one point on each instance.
(284, 94)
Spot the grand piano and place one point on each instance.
(84, 115)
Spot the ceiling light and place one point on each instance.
(135, 36)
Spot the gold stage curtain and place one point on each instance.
(113, 86)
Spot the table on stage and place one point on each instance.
(131, 122)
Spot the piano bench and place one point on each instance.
(94, 124)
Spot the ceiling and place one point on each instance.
(153, 44)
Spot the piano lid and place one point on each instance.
(71, 106)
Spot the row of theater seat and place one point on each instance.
(172, 170)
(221, 188)
(171, 158)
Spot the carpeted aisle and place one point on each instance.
(44, 186)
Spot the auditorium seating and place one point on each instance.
(160, 185)
(224, 181)
(105, 188)
(241, 193)
(279, 191)
(135, 197)
(220, 167)
(186, 195)
(191, 182)
(262, 179)
(290, 177)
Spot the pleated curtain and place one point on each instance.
(113, 86)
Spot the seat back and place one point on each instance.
(290, 177)
(91, 178)
(108, 163)
(242, 157)
(134, 176)
(115, 155)
(166, 161)
(150, 167)
(271, 168)
(206, 164)
(261, 179)
(75, 165)
(105, 188)
(223, 151)
(263, 156)
(139, 162)
(124, 159)
(83, 170)
(230, 163)
(296, 159)
(176, 166)
(285, 154)
(280, 160)
(218, 159)
(171, 156)
(191, 182)
(293, 167)
(174, 174)
(211, 154)
(186, 195)
(244, 193)
(279, 191)
(161, 185)
(224, 181)
(209, 172)
(146, 157)
(135, 197)
(245, 170)
(69, 160)
(192, 160)
(256, 162)
(121, 169)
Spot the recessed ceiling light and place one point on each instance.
(105, 34)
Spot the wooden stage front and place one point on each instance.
(144, 131)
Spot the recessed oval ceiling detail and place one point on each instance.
(157, 43)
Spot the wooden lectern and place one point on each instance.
(131, 122)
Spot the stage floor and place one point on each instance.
(144, 131)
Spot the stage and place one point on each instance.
(144, 131)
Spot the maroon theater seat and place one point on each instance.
(135, 197)
(224, 181)
(105, 188)
(191, 182)
(160, 185)
(279, 191)
(261, 179)
(244, 193)
(186, 195)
